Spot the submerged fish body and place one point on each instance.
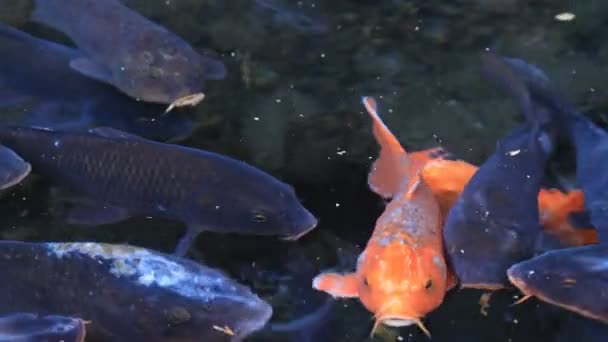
(572, 278)
(36, 71)
(401, 275)
(495, 222)
(22, 326)
(123, 48)
(128, 293)
(123, 175)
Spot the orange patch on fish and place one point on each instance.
(555, 207)
(401, 275)
(447, 179)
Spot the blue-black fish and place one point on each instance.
(128, 293)
(37, 82)
(590, 143)
(30, 327)
(573, 278)
(121, 47)
(495, 222)
(123, 175)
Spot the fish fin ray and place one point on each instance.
(95, 215)
(392, 163)
(337, 285)
(91, 69)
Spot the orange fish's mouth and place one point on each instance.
(400, 321)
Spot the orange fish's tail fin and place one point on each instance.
(337, 285)
(393, 163)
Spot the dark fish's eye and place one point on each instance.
(429, 284)
(365, 282)
(259, 218)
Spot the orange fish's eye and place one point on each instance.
(429, 284)
(365, 282)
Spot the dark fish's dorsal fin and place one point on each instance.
(91, 69)
(392, 164)
(110, 132)
(497, 70)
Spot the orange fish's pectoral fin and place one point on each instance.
(392, 163)
(447, 179)
(452, 281)
(337, 285)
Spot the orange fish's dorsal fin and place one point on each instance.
(448, 175)
(337, 285)
(447, 179)
(392, 164)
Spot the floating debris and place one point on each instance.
(565, 16)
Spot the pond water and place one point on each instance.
(290, 104)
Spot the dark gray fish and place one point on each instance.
(573, 278)
(35, 78)
(124, 175)
(589, 140)
(124, 49)
(495, 221)
(128, 293)
(29, 327)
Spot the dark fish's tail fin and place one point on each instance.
(539, 100)
(550, 105)
(497, 70)
(13, 169)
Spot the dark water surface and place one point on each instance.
(291, 106)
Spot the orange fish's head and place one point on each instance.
(401, 283)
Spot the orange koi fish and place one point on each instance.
(401, 275)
